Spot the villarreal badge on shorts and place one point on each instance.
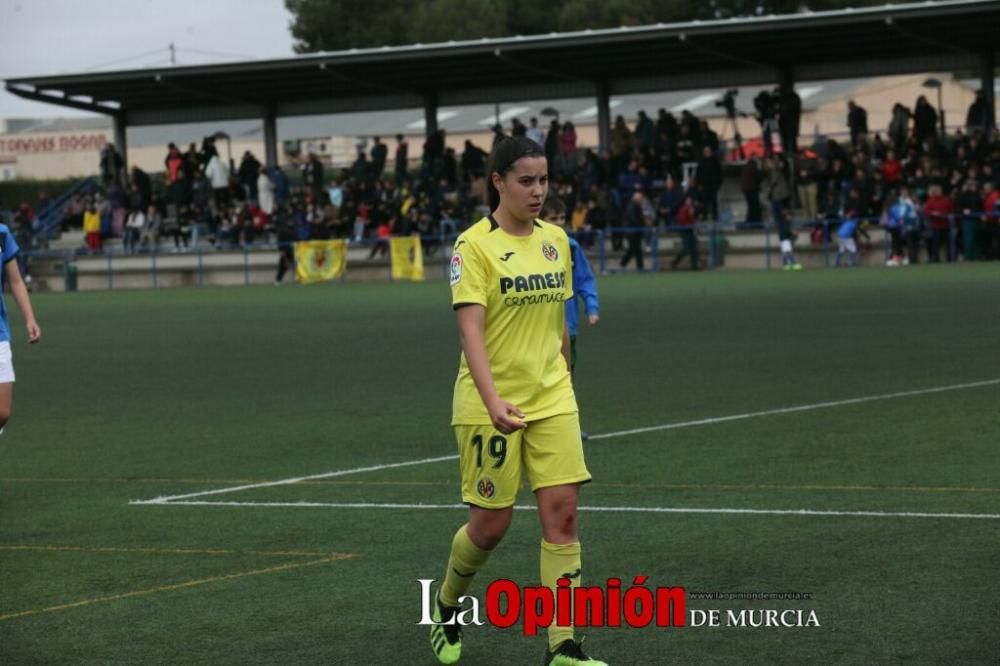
(486, 489)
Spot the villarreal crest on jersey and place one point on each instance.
(523, 283)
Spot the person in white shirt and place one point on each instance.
(535, 133)
(133, 229)
(218, 174)
(265, 192)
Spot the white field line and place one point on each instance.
(299, 479)
(621, 433)
(602, 509)
(799, 408)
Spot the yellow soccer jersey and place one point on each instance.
(523, 282)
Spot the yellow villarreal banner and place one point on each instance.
(320, 260)
(407, 258)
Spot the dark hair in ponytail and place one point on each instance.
(506, 152)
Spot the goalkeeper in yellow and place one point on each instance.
(514, 409)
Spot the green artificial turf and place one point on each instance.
(134, 395)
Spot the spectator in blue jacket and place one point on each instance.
(584, 285)
(846, 243)
(901, 221)
(282, 190)
(669, 203)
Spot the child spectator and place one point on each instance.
(846, 245)
(903, 218)
(689, 247)
(382, 234)
(584, 285)
(92, 227)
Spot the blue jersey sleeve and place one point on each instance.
(7, 244)
(584, 284)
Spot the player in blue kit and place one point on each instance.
(12, 276)
(584, 284)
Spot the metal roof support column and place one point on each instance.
(121, 145)
(786, 81)
(786, 78)
(603, 116)
(430, 114)
(270, 137)
(987, 65)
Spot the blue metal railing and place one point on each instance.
(48, 219)
(716, 234)
(596, 244)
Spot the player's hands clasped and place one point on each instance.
(505, 416)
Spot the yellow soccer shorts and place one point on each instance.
(549, 451)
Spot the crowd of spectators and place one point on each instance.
(664, 172)
(947, 182)
(668, 173)
(447, 190)
(199, 197)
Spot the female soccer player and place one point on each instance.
(12, 276)
(514, 409)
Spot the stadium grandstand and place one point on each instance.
(775, 127)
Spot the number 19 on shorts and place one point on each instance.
(496, 449)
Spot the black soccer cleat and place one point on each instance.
(570, 653)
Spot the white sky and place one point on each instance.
(73, 36)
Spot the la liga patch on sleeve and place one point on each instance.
(456, 269)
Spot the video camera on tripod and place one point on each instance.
(728, 102)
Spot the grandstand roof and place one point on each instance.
(892, 39)
(466, 118)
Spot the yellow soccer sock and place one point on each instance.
(465, 561)
(560, 561)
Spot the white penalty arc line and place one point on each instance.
(799, 408)
(621, 433)
(601, 509)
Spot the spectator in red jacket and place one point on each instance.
(689, 247)
(566, 161)
(991, 211)
(891, 169)
(173, 162)
(938, 209)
